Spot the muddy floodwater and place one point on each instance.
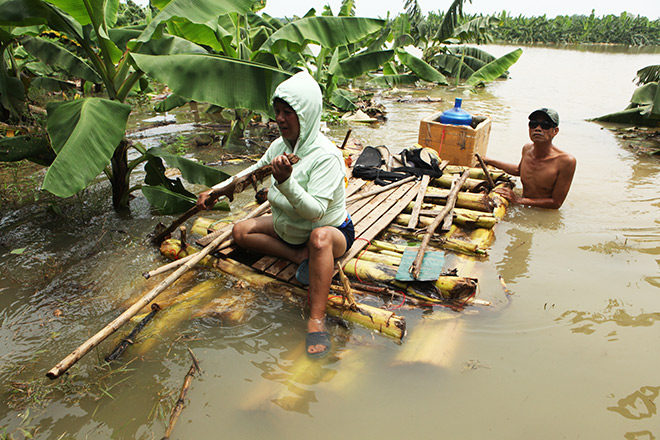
(572, 353)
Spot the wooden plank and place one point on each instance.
(264, 263)
(377, 204)
(414, 216)
(409, 192)
(277, 267)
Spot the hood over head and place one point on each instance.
(303, 94)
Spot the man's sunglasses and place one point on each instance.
(546, 125)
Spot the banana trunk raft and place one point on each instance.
(390, 222)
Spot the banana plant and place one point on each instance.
(644, 106)
(88, 134)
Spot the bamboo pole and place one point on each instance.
(416, 266)
(475, 201)
(471, 185)
(109, 329)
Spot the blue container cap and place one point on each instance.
(456, 115)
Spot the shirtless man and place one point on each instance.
(546, 172)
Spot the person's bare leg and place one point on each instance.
(258, 234)
(324, 245)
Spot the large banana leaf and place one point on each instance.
(476, 30)
(494, 69)
(100, 10)
(421, 68)
(172, 101)
(452, 65)
(328, 32)
(358, 65)
(343, 99)
(474, 52)
(645, 94)
(166, 45)
(32, 12)
(634, 116)
(169, 196)
(52, 84)
(193, 172)
(389, 81)
(648, 74)
(210, 34)
(54, 54)
(167, 202)
(84, 133)
(195, 11)
(214, 79)
(450, 21)
(648, 94)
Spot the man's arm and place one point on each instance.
(509, 168)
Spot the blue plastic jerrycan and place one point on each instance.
(456, 115)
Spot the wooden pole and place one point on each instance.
(414, 216)
(122, 319)
(348, 134)
(416, 266)
(489, 178)
(178, 408)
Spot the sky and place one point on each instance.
(379, 8)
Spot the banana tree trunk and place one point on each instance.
(120, 177)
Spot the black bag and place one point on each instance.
(418, 161)
(368, 167)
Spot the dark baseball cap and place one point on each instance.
(550, 113)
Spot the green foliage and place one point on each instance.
(218, 52)
(83, 145)
(623, 29)
(494, 69)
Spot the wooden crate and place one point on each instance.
(456, 143)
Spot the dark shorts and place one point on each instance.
(348, 229)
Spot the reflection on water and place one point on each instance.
(614, 313)
(638, 405)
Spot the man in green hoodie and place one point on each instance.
(309, 224)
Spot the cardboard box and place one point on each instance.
(456, 143)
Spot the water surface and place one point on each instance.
(570, 355)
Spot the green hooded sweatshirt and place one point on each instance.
(314, 194)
